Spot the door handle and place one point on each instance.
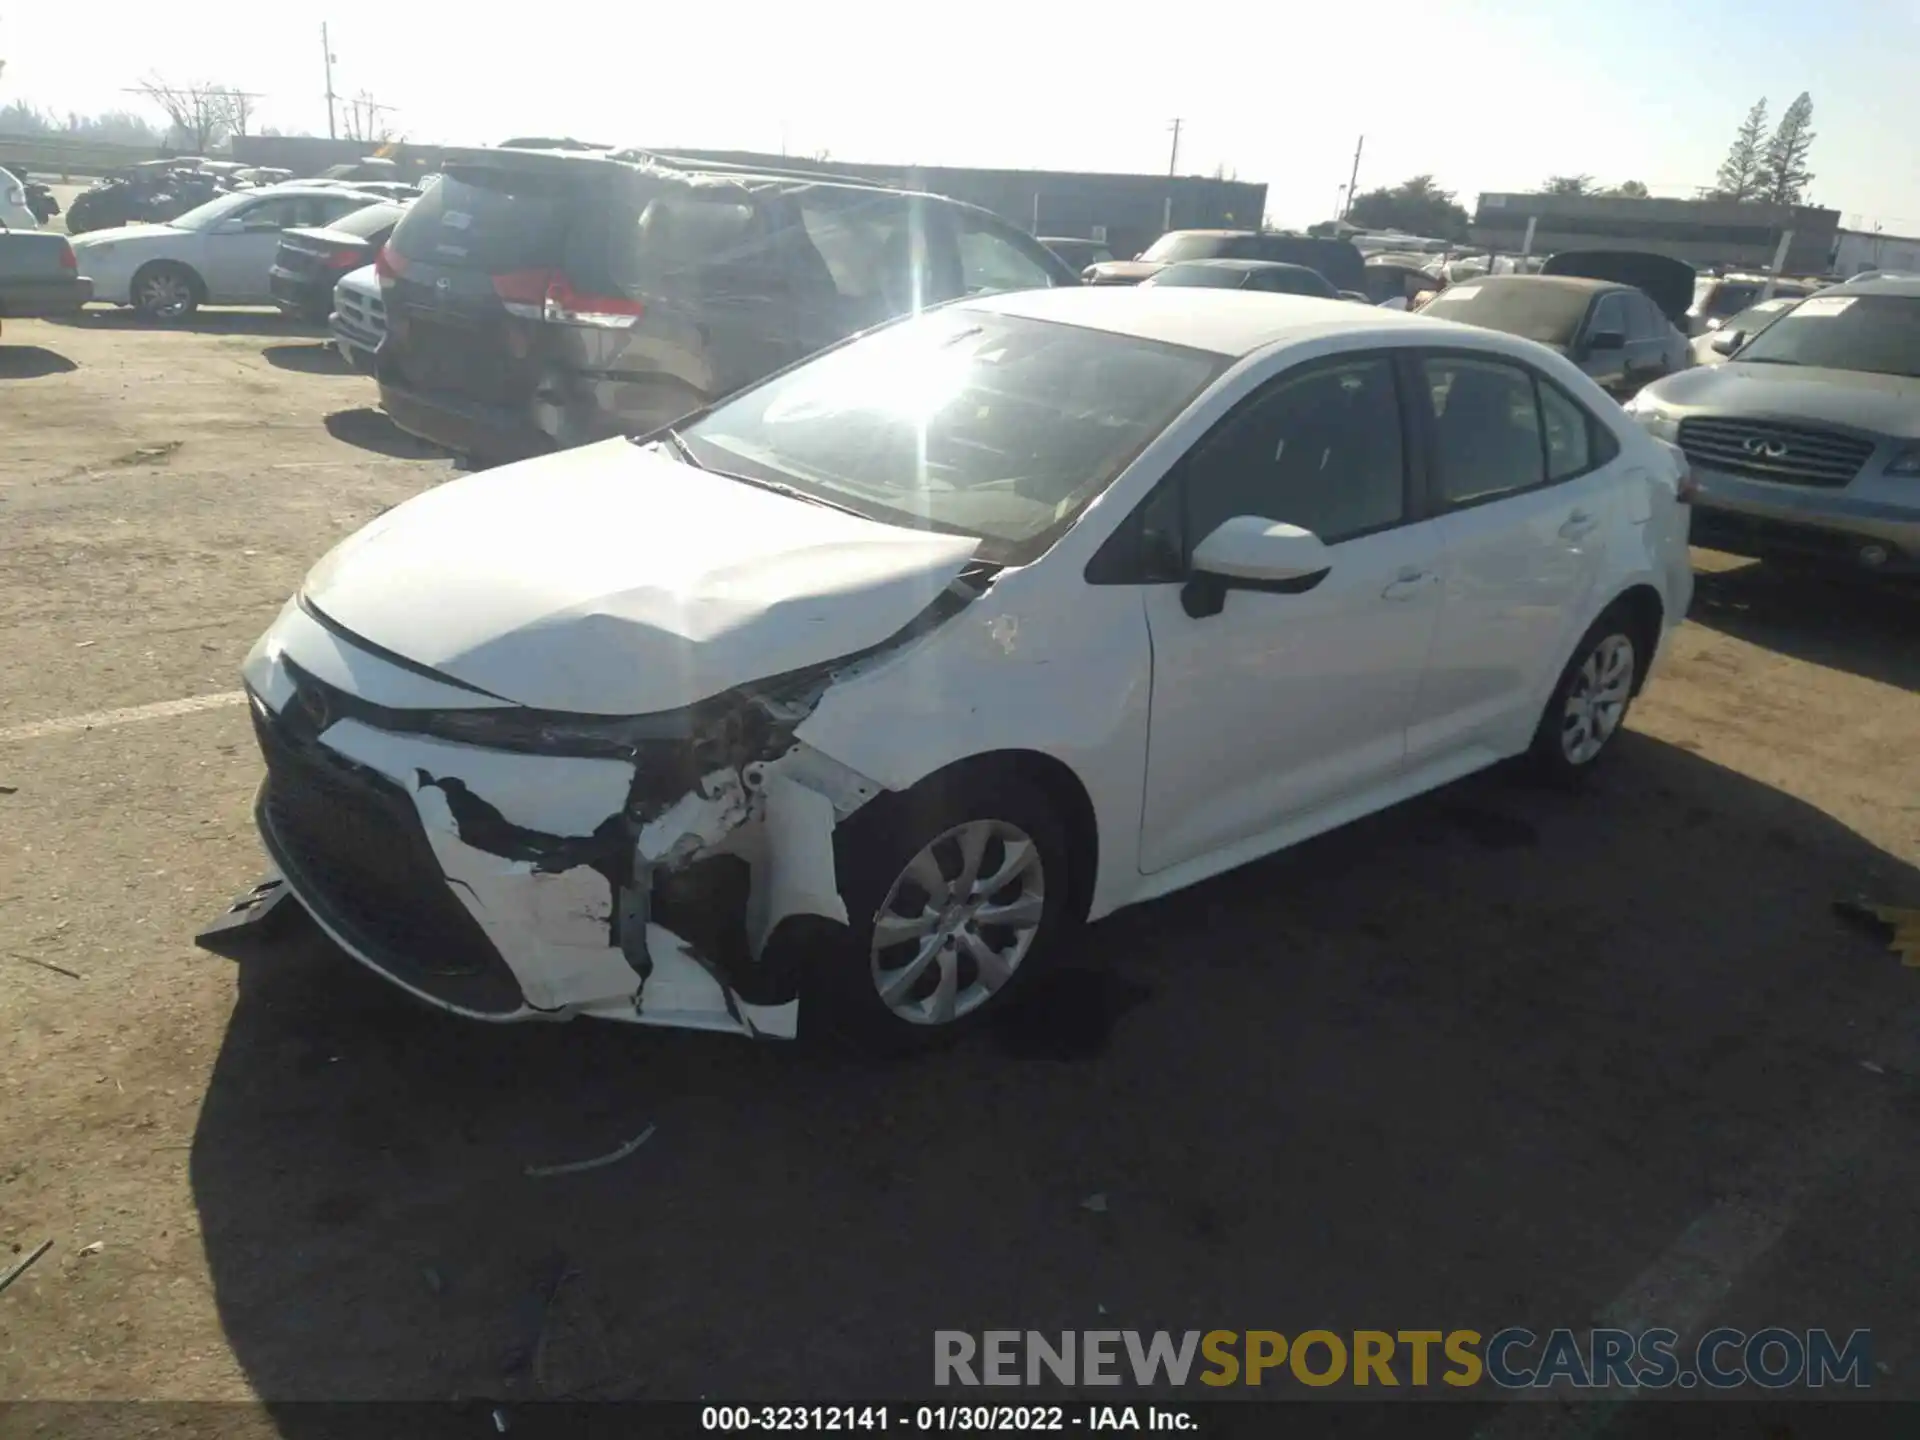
(1409, 583)
(1579, 525)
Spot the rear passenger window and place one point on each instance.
(990, 260)
(1569, 432)
(871, 245)
(1486, 428)
(687, 241)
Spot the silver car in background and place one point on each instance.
(1805, 444)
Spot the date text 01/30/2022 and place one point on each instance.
(998, 1419)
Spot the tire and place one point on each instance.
(880, 851)
(166, 291)
(1589, 705)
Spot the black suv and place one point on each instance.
(546, 298)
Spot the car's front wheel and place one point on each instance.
(1589, 705)
(957, 894)
(166, 291)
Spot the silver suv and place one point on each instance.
(1806, 443)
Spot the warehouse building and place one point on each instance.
(1701, 232)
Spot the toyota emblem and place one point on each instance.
(1767, 449)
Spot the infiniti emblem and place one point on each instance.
(1771, 449)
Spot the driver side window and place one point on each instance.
(1322, 450)
(1609, 315)
(269, 215)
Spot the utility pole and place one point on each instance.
(326, 51)
(1352, 179)
(1173, 164)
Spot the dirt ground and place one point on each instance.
(1498, 1057)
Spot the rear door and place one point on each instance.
(1525, 479)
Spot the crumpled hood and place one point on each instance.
(1889, 404)
(120, 234)
(612, 580)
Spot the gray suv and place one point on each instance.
(1806, 442)
(538, 299)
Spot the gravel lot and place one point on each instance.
(1501, 1056)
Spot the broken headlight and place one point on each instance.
(539, 732)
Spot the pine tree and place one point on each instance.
(1740, 172)
(1784, 176)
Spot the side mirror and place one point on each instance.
(1605, 340)
(1250, 552)
(1725, 342)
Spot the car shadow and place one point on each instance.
(371, 429)
(1478, 1056)
(32, 362)
(1871, 630)
(311, 359)
(201, 322)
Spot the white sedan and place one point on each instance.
(864, 687)
(218, 253)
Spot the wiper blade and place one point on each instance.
(792, 492)
(681, 448)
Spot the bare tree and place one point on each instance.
(239, 112)
(365, 120)
(198, 112)
(1740, 175)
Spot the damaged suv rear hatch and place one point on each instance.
(501, 243)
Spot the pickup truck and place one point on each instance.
(39, 275)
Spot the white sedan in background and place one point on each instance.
(863, 687)
(218, 253)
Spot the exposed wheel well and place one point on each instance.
(1645, 612)
(1053, 779)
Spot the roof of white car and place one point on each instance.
(1226, 322)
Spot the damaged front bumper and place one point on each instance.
(509, 886)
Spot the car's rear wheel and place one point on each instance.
(957, 894)
(165, 290)
(1589, 705)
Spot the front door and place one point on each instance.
(1526, 480)
(1281, 704)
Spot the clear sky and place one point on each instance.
(1485, 94)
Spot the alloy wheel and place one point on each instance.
(166, 295)
(1597, 700)
(957, 921)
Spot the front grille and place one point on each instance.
(366, 315)
(1773, 450)
(350, 844)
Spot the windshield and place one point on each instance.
(1755, 318)
(1215, 277)
(215, 210)
(1177, 246)
(369, 222)
(963, 421)
(1533, 309)
(1879, 334)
